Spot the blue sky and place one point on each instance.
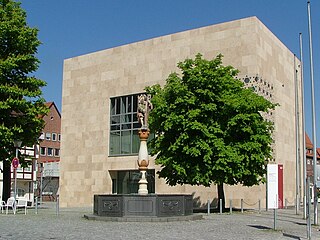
(69, 28)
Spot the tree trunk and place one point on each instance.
(6, 190)
(221, 196)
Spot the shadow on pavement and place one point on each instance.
(291, 236)
(260, 227)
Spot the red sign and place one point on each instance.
(15, 162)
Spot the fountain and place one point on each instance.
(143, 206)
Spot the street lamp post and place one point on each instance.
(41, 181)
(15, 163)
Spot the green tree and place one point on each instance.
(209, 128)
(21, 102)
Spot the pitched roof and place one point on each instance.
(308, 142)
(50, 104)
(309, 146)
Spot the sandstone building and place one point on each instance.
(99, 145)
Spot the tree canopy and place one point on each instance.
(21, 101)
(208, 127)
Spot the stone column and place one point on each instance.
(143, 161)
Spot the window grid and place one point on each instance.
(124, 125)
(42, 151)
(56, 152)
(42, 136)
(50, 152)
(48, 136)
(54, 137)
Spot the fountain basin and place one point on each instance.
(151, 205)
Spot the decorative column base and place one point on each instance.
(143, 184)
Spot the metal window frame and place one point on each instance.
(121, 114)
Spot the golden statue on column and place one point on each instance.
(144, 107)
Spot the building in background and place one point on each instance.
(49, 155)
(309, 159)
(42, 171)
(26, 176)
(99, 104)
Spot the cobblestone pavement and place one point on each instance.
(70, 224)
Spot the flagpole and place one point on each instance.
(297, 138)
(314, 140)
(304, 184)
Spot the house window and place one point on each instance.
(54, 137)
(41, 136)
(59, 137)
(42, 151)
(48, 136)
(50, 152)
(27, 169)
(56, 152)
(124, 125)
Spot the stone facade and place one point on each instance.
(89, 81)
